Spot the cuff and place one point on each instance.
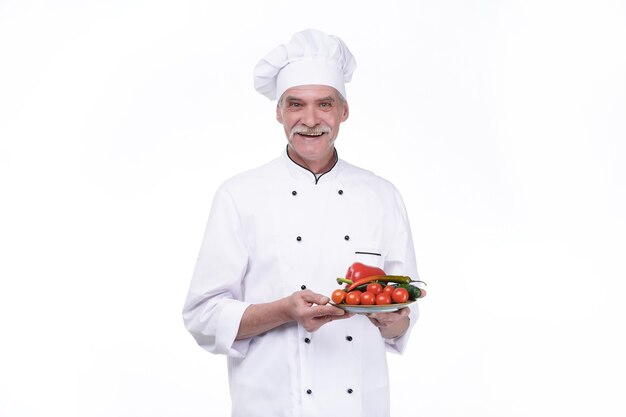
(227, 328)
(398, 344)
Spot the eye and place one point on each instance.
(293, 104)
(325, 105)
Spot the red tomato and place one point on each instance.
(353, 298)
(400, 295)
(388, 289)
(338, 296)
(375, 288)
(383, 298)
(368, 298)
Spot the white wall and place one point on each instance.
(502, 122)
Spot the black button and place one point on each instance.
(346, 237)
(303, 287)
(307, 340)
(309, 392)
(349, 338)
(340, 192)
(298, 238)
(350, 391)
(294, 192)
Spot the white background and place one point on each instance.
(501, 122)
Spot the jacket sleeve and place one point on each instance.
(400, 260)
(213, 310)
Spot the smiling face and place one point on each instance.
(311, 115)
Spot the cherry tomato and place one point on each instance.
(368, 298)
(353, 298)
(383, 298)
(375, 288)
(400, 295)
(338, 296)
(388, 289)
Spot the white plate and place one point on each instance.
(384, 308)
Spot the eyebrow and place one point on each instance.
(292, 98)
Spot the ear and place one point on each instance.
(345, 112)
(279, 114)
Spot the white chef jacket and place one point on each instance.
(271, 231)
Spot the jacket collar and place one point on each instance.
(301, 173)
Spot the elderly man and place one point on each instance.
(277, 237)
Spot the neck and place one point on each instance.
(316, 167)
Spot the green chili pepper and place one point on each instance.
(380, 278)
(414, 292)
(344, 281)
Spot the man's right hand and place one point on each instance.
(305, 307)
(312, 311)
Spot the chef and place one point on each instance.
(277, 237)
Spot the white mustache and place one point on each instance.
(310, 131)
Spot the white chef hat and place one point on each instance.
(310, 57)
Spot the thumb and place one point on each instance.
(315, 298)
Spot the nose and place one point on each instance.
(309, 117)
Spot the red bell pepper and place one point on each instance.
(359, 274)
(358, 270)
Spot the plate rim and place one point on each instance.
(373, 308)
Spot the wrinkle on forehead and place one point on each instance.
(293, 93)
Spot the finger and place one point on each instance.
(322, 320)
(343, 317)
(317, 322)
(330, 310)
(391, 315)
(375, 322)
(324, 310)
(312, 297)
(374, 319)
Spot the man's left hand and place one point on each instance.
(391, 324)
